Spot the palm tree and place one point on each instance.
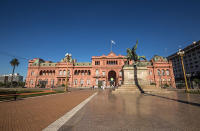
(14, 62)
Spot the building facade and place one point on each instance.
(7, 78)
(101, 71)
(191, 61)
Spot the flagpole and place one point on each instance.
(111, 46)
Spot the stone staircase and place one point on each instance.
(131, 88)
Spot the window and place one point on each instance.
(163, 72)
(112, 62)
(31, 82)
(75, 82)
(89, 72)
(68, 72)
(120, 82)
(88, 82)
(103, 73)
(75, 72)
(82, 82)
(32, 73)
(64, 72)
(120, 73)
(97, 72)
(167, 72)
(60, 72)
(158, 72)
(52, 82)
(97, 81)
(97, 62)
(150, 72)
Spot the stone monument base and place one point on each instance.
(136, 80)
(134, 88)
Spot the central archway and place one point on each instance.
(112, 77)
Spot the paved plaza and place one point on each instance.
(106, 111)
(35, 114)
(135, 111)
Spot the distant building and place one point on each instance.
(7, 78)
(191, 61)
(103, 69)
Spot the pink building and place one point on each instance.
(100, 71)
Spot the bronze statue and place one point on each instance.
(131, 54)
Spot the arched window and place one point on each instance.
(44, 72)
(47, 72)
(82, 72)
(60, 72)
(88, 72)
(68, 72)
(50, 72)
(79, 72)
(64, 72)
(158, 72)
(75, 72)
(40, 72)
(167, 72)
(163, 72)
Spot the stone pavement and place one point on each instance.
(34, 114)
(135, 111)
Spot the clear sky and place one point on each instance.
(50, 28)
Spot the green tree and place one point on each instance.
(14, 62)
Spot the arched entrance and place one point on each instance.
(112, 78)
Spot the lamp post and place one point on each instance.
(68, 57)
(181, 54)
(189, 76)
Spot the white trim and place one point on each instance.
(62, 120)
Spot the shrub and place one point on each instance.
(153, 83)
(165, 86)
(2, 84)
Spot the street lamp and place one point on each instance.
(189, 76)
(181, 54)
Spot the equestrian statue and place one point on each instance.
(131, 54)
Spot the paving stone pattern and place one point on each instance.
(137, 112)
(34, 114)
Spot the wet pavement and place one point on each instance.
(135, 111)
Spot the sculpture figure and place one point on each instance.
(131, 54)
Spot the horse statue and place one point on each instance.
(131, 54)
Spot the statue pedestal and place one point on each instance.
(132, 75)
(135, 79)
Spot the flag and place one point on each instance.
(112, 42)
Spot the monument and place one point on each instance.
(136, 74)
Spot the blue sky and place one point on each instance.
(50, 28)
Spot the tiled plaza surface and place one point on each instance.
(135, 111)
(34, 114)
